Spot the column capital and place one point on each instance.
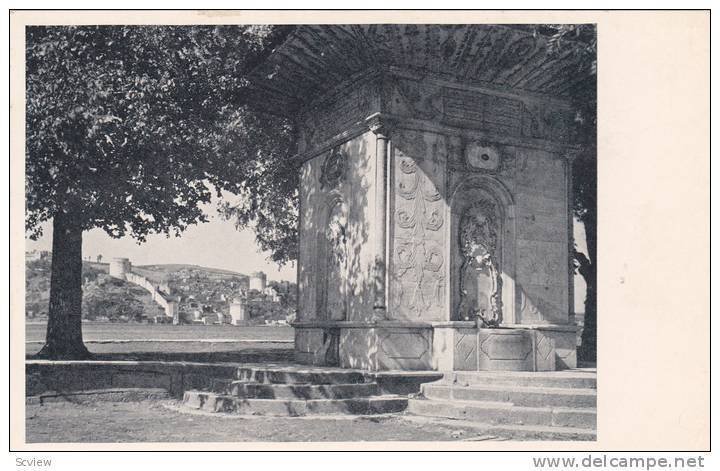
(379, 124)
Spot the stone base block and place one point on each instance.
(565, 346)
(451, 346)
(514, 350)
(461, 346)
(314, 347)
(374, 347)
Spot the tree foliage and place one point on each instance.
(127, 126)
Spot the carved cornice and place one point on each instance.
(380, 125)
(390, 123)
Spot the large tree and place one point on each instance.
(128, 130)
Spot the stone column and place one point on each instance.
(379, 127)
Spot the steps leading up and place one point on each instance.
(505, 413)
(294, 391)
(301, 391)
(583, 379)
(528, 400)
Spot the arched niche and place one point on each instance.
(332, 293)
(481, 237)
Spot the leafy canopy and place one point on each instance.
(129, 128)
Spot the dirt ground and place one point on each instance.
(163, 421)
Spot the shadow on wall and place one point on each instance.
(337, 209)
(428, 175)
(432, 189)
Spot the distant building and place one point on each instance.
(284, 287)
(272, 294)
(34, 255)
(238, 312)
(244, 284)
(258, 281)
(197, 315)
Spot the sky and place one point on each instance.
(215, 244)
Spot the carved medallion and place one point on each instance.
(481, 157)
(333, 168)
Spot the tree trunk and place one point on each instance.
(588, 270)
(64, 330)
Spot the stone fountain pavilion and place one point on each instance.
(435, 195)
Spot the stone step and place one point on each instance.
(299, 376)
(212, 402)
(495, 413)
(516, 431)
(553, 379)
(520, 396)
(301, 391)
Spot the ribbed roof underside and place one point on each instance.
(316, 58)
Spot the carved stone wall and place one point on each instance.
(494, 112)
(542, 237)
(336, 230)
(338, 113)
(418, 282)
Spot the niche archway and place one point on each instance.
(482, 251)
(333, 260)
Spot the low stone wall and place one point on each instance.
(51, 379)
(175, 377)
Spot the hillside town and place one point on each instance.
(166, 294)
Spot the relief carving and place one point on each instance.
(416, 100)
(419, 261)
(545, 122)
(327, 118)
(420, 283)
(334, 260)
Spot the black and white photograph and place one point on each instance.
(313, 232)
